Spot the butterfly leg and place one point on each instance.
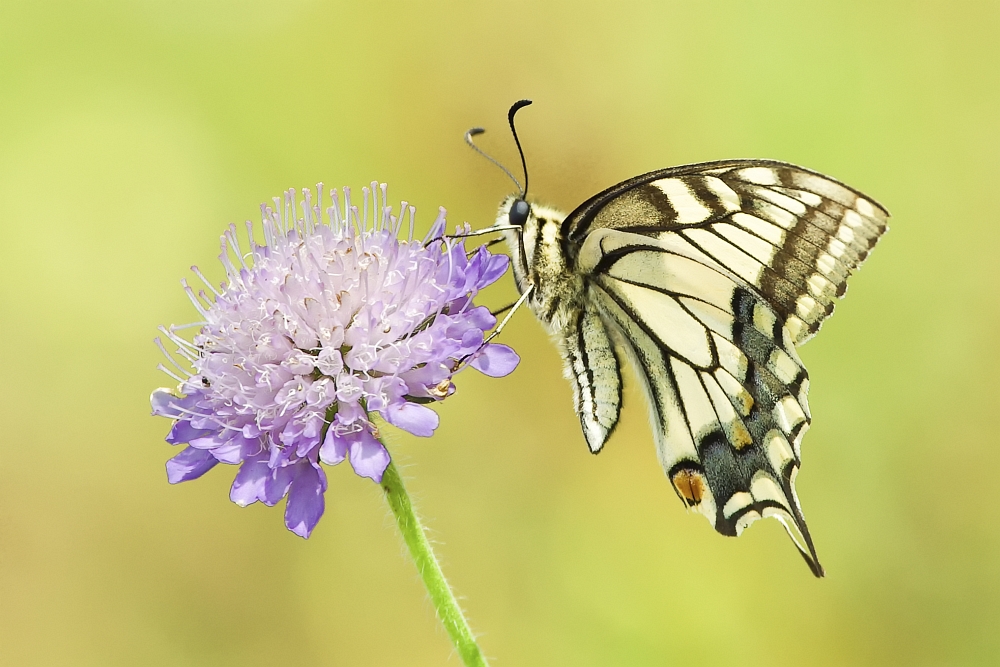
(513, 309)
(488, 230)
(500, 311)
(485, 245)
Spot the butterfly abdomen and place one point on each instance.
(560, 302)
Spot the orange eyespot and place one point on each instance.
(690, 484)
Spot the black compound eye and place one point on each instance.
(518, 214)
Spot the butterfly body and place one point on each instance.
(706, 277)
(558, 288)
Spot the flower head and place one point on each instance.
(329, 322)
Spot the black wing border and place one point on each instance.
(576, 224)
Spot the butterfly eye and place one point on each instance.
(518, 214)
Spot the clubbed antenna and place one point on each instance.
(468, 139)
(517, 106)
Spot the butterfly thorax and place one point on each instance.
(557, 289)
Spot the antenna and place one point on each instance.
(468, 139)
(520, 104)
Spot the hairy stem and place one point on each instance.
(430, 571)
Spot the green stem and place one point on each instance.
(420, 549)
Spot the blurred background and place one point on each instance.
(131, 133)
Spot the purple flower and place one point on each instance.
(330, 322)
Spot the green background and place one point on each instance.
(131, 133)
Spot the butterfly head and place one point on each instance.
(517, 211)
(516, 218)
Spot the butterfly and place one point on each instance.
(706, 277)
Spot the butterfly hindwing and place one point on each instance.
(593, 368)
(727, 391)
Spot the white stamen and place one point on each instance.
(365, 193)
(224, 257)
(376, 207)
(291, 216)
(234, 243)
(276, 215)
(170, 357)
(333, 211)
(399, 220)
(190, 325)
(194, 299)
(253, 244)
(307, 210)
(201, 276)
(265, 225)
(164, 369)
(347, 208)
(359, 226)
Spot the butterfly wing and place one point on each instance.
(709, 276)
(792, 234)
(593, 368)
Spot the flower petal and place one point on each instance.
(419, 380)
(382, 392)
(368, 457)
(210, 440)
(496, 266)
(166, 404)
(230, 452)
(334, 449)
(160, 400)
(190, 464)
(417, 419)
(277, 483)
(495, 360)
(182, 432)
(482, 318)
(248, 487)
(305, 501)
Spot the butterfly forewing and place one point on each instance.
(707, 276)
(792, 235)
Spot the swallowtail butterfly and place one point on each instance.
(706, 277)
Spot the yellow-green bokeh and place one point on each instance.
(132, 132)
